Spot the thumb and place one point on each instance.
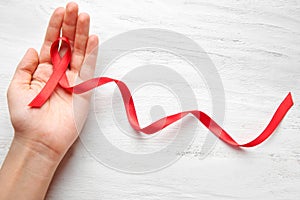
(27, 67)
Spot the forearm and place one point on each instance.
(26, 172)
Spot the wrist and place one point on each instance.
(38, 148)
(25, 168)
(36, 158)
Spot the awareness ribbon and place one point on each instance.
(59, 78)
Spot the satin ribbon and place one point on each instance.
(59, 79)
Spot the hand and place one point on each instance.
(50, 130)
(43, 135)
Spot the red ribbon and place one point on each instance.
(59, 78)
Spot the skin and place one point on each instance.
(43, 135)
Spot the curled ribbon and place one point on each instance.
(58, 77)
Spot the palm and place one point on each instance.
(53, 124)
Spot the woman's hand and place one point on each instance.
(50, 129)
(43, 135)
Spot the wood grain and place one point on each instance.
(255, 45)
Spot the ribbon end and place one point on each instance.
(290, 98)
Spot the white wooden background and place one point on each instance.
(255, 46)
